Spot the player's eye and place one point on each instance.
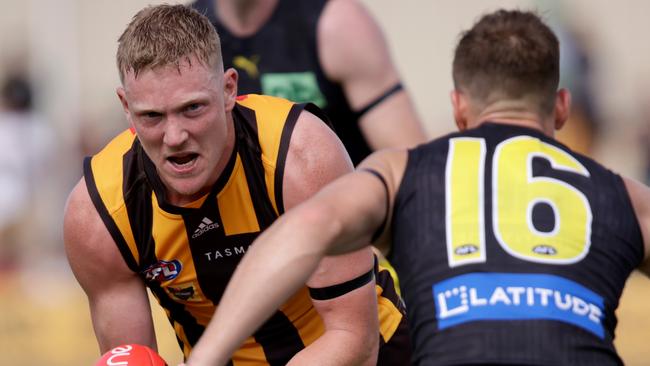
(193, 108)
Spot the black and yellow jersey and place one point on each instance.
(186, 255)
(512, 249)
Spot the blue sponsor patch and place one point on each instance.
(508, 296)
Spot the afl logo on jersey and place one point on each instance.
(544, 249)
(466, 249)
(163, 271)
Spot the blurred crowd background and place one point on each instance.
(58, 104)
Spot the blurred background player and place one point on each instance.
(26, 147)
(512, 248)
(328, 52)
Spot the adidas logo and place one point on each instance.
(205, 226)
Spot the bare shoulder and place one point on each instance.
(80, 218)
(390, 163)
(316, 156)
(344, 12)
(88, 244)
(640, 197)
(351, 41)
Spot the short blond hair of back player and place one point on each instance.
(165, 35)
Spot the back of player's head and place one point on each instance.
(508, 54)
(165, 35)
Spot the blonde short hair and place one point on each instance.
(165, 34)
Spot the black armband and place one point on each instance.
(397, 87)
(330, 292)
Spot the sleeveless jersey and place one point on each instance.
(281, 59)
(186, 255)
(512, 249)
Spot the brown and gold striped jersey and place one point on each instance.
(186, 255)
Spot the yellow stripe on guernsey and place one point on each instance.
(235, 199)
(109, 183)
(389, 314)
(302, 314)
(266, 109)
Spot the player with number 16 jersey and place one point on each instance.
(537, 244)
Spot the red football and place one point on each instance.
(131, 355)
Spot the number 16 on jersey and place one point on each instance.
(515, 193)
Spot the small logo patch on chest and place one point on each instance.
(163, 271)
(205, 226)
(182, 293)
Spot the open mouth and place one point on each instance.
(183, 161)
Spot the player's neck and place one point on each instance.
(513, 113)
(245, 17)
(522, 122)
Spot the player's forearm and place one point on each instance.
(339, 348)
(113, 326)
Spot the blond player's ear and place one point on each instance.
(230, 78)
(121, 95)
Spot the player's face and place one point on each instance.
(182, 116)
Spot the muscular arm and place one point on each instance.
(118, 300)
(353, 52)
(640, 196)
(316, 157)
